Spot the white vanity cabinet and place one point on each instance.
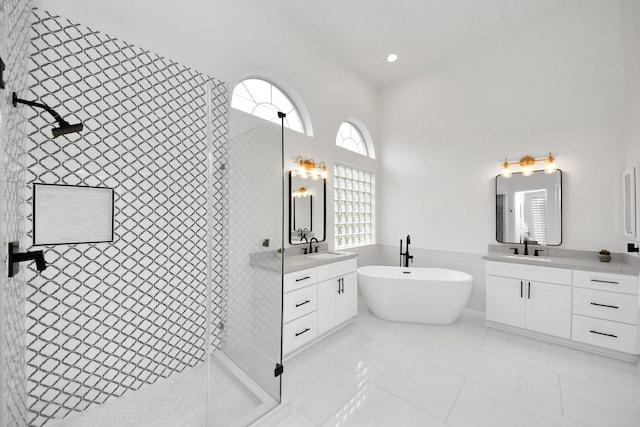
(337, 294)
(299, 305)
(317, 300)
(605, 310)
(590, 310)
(530, 297)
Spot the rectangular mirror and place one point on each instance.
(529, 207)
(303, 212)
(307, 216)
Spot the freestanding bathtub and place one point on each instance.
(412, 294)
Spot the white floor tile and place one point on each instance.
(372, 406)
(530, 384)
(375, 372)
(597, 406)
(317, 386)
(285, 416)
(480, 406)
(583, 366)
(468, 330)
(395, 334)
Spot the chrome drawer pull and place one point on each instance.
(304, 278)
(300, 333)
(303, 303)
(605, 281)
(602, 333)
(604, 305)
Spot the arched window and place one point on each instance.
(349, 137)
(263, 99)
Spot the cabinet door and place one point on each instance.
(328, 293)
(548, 308)
(348, 299)
(506, 300)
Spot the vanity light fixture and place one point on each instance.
(527, 164)
(308, 168)
(301, 192)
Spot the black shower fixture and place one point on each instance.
(64, 126)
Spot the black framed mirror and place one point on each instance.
(529, 207)
(307, 209)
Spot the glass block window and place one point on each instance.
(263, 99)
(353, 195)
(350, 138)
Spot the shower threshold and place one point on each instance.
(179, 400)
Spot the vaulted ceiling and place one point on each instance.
(421, 32)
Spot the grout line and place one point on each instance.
(484, 337)
(455, 401)
(561, 400)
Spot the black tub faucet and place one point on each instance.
(404, 256)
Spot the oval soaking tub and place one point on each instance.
(412, 294)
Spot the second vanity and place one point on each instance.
(320, 296)
(578, 301)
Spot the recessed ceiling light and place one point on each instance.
(392, 58)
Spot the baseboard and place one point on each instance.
(627, 357)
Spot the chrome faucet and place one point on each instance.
(405, 255)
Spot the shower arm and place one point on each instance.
(15, 101)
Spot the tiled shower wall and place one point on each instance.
(107, 318)
(15, 47)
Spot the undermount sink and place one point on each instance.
(326, 255)
(527, 258)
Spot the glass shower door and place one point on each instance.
(252, 323)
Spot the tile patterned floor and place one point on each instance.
(379, 373)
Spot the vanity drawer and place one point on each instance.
(604, 333)
(299, 302)
(298, 332)
(299, 279)
(561, 276)
(336, 269)
(605, 305)
(606, 281)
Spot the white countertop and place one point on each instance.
(620, 263)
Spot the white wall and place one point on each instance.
(630, 17)
(556, 86)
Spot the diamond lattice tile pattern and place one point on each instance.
(15, 42)
(103, 319)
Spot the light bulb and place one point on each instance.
(506, 170)
(550, 167)
(527, 170)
